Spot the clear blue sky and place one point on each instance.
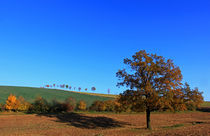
(83, 43)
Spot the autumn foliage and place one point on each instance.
(22, 104)
(11, 103)
(82, 105)
(14, 104)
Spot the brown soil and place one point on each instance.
(74, 124)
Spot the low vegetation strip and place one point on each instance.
(205, 104)
(30, 94)
(96, 94)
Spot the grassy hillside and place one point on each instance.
(49, 94)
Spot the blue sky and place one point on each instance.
(83, 43)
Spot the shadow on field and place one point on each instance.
(83, 121)
(204, 109)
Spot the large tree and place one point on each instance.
(153, 79)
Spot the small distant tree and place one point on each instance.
(93, 88)
(79, 88)
(70, 87)
(67, 86)
(108, 91)
(54, 85)
(81, 105)
(62, 86)
(86, 89)
(153, 77)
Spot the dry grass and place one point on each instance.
(97, 94)
(205, 104)
(74, 124)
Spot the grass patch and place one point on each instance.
(12, 113)
(174, 126)
(99, 135)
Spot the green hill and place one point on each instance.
(30, 94)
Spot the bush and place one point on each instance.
(94, 106)
(40, 105)
(11, 103)
(110, 105)
(69, 105)
(22, 105)
(2, 107)
(56, 107)
(81, 105)
(98, 106)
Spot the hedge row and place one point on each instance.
(40, 105)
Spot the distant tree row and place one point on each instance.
(63, 86)
(68, 87)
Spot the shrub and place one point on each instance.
(81, 105)
(102, 106)
(69, 104)
(118, 107)
(98, 106)
(2, 107)
(94, 106)
(56, 106)
(22, 105)
(11, 103)
(110, 105)
(40, 105)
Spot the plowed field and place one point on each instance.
(74, 124)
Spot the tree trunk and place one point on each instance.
(148, 118)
